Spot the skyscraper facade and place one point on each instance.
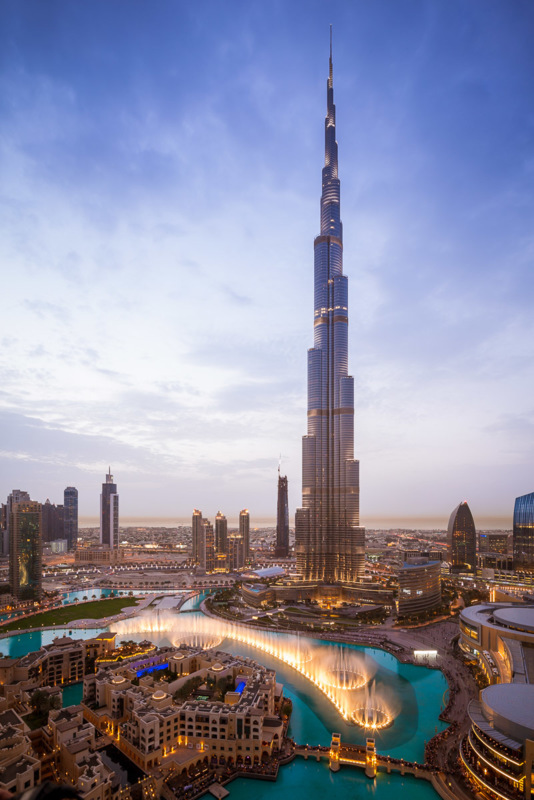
(329, 542)
(523, 535)
(52, 522)
(244, 532)
(26, 549)
(282, 518)
(109, 514)
(221, 534)
(16, 496)
(462, 538)
(196, 528)
(70, 516)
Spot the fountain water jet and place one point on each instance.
(374, 713)
(336, 672)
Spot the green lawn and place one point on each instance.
(59, 616)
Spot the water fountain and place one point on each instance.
(345, 670)
(337, 671)
(373, 713)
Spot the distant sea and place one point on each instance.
(374, 523)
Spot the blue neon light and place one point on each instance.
(142, 672)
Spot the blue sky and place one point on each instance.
(161, 167)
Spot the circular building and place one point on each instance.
(498, 753)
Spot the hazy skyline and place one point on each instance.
(161, 179)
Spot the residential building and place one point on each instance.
(196, 534)
(204, 543)
(329, 541)
(221, 533)
(20, 770)
(16, 496)
(244, 530)
(282, 518)
(153, 730)
(236, 552)
(70, 504)
(53, 522)
(25, 550)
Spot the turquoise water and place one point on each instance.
(72, 695)
(314, 781)
(18, 645)
(194, 602)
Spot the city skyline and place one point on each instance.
(145, 156)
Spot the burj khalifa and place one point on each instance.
(329, 542)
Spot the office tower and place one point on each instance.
(523, 535)
(70, 505)
(236, 559)
(109, 514)
(221, 533)
(25, 557)
(244, 530)
(329, 541)
(282, 518)
(196, 534)
(52, 522)
(462, 538)
(16, 496)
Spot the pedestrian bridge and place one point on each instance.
(363, 756)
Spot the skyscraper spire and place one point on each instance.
(329, 540)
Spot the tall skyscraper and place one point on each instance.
(70, 516)
(523, 536)
(462, 538)
(52, 522)
(221, 533)
(235, 551)
(330, 543)
(196, 535)
(16, 496)
(244, 531)
(282, 518)
(109, 514)
(26, 551)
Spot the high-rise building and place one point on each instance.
(16, 496)
(236, 558)
(196, 534)
(493, 542)
(462, 538)
(523, 535)
(330, 544)
(26, 549)
(70, 516)
(244, 531)
(109, 514)
(221, 534)
(282, 518)
(52, 522)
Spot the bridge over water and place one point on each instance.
(363, 756)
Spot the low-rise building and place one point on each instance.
(419, 586)
(154, 727)
(20, 770)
